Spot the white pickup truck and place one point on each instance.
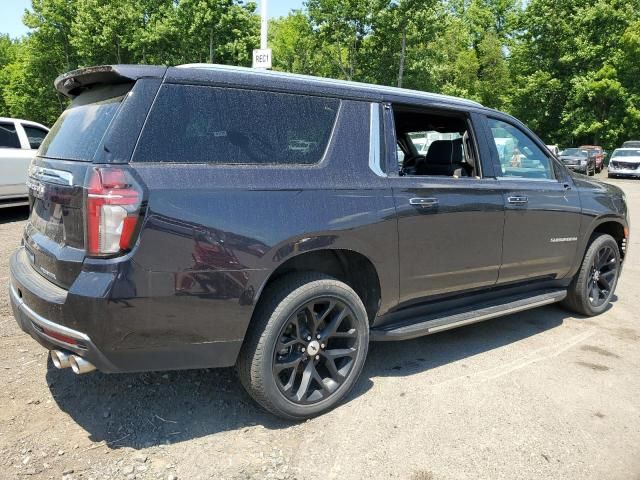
(19, 141)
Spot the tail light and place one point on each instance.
(113, 208)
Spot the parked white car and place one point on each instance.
(554, 149)
(19, 141)
(625, 162)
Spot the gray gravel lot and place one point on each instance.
(541, 394)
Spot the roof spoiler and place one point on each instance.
(71, 84)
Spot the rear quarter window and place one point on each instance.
(76, 135)
(8, 136)
(197, 124)
(35, 136)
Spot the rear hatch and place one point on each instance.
(55, 236)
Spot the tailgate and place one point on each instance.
(55, 233)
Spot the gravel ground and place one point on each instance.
(540, 394)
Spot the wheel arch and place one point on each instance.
(351, 267)
(610, 226)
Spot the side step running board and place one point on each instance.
(459, 318)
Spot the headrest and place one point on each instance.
(444, 152)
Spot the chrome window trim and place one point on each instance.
(525, 179)
(374, 140)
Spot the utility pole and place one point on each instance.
(264, 24)
(262, 56)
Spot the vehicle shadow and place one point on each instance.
(426, 353)
(13, 214)
(143, 410)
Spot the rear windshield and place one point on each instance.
(79, 130)
(194, 124)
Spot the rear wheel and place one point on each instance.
(306, 346)
(593, 286)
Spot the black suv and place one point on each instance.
(581, 160)
(209, 216)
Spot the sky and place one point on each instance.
(12, 10)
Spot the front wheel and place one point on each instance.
(305, 347)
(591, 289)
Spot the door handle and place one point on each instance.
(424, 202)
(518, 200)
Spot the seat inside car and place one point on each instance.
(444, 157)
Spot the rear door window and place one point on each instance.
(78, 132)
(8, 135)
(196, 124)
(35, 136)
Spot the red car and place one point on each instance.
(599, 156)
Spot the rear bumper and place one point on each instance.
(54, 336)
(85, 325)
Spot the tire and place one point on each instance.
(581, 296)
(591, 171)
(292, 311)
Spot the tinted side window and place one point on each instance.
(518, 154)
(35, 135)
(194, 124)
(9, 136)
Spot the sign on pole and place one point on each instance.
(262, 55)
(262, 58)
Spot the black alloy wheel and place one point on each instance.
(315, 351)
(306, 345)
(603, 276)
(592, 287)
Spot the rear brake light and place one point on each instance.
(113, 208)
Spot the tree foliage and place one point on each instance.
(567, 68)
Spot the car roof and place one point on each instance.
(628, 148)
(25, 122)
(72, 83)
(230, 75)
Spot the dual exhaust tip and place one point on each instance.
(79, 365)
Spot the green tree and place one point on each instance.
(574, 51)
(216, 31)
(108, 31)
(8, 52)
(42, 56)
(342, 27)
(597, 107)
(295, 47)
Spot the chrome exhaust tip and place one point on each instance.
(60, 359)
(79, 365)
